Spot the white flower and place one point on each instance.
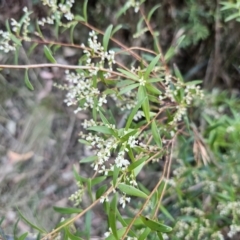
(123, 200)
(132, 142)
(121, 162)
(142, 81)
(104, 199)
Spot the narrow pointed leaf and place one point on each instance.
(132, 191)
(133, 113)
(67, 210)
(48, 54)
(156, 134)
(142, 94)
(155, 226)
(106, 37)
(27, 82)
(151, 66)
(128, 88)
(178, 73)
(129, 74)
(30, 223)
(112, 216)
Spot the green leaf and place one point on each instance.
(30, 50)
(128, 88)
(23, 236)
(132, 191)
(15, 40)
(133, 113)
(127, 135)
(39, 31)
(123, 10)
(156, 134)
(135, 164)
(153, 80)
(30, 223)
(160, 237)
(145, 233)
(120, 233)
(89, 188)
(98, 180)
(112, 216)
(106, 37)
(116, 171)
(151, 66)
(88, 223)
(232, 16)
(67, 210)
(166, 213)
(101, 191)
(78, 177)
(169, 54)
(101, 129)
(88, 159)
(27, 82)
(83, 141)
(128, 74)
(69, 235)
(79, 18)
(72, 32)
(142, 94)
(118, 27)
(177, 73)
(195, 82)
(152, 89)
(103, 118)
(48, 54)
(85, 10)
(155, 226)
(124, 82)
(152, 11)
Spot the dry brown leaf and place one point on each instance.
(19, 157)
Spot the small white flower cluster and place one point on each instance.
(172, 88)
(132, 141)
(123, 200)
(77, 196)
(6, 44)
(103, 148)
(233, 230)
(181, 227)
(191, 91)
(230, 208)
(180, 170)
(170, 182)
(135, 4)
(217, 236)
(103, 199)
(79, 89)
(195, 211)
(138, 115)
(181, 111)
(150, 148)
(97, 51)
(80, 85)
(15, 25)
(209, 186)
(26, 24)
(142, 81)
(57, 12)
(127, 102)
